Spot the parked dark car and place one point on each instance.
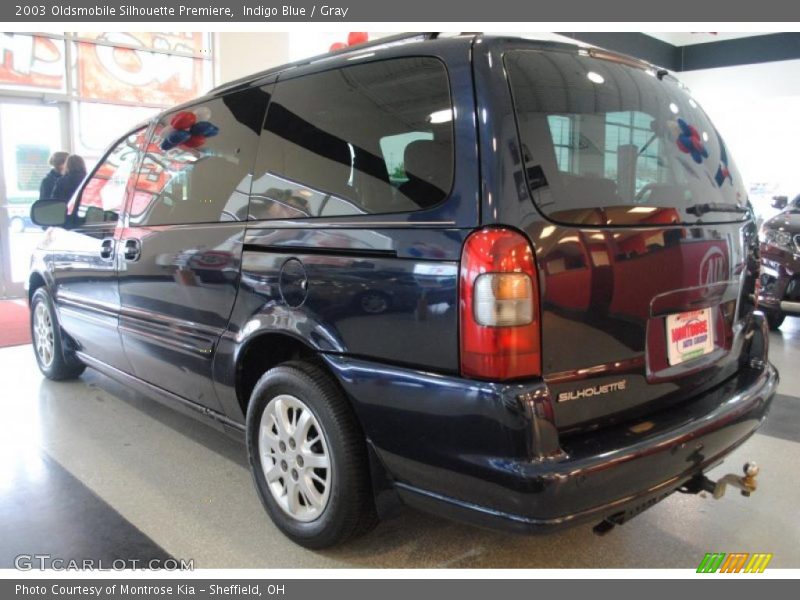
(779, 293)
(506, 281)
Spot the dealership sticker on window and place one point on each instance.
(689, 335)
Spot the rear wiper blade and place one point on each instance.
(701, 209)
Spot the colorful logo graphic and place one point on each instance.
(735, 562)
(188, 129)
(689, 142)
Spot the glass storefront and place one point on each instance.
(78, 92)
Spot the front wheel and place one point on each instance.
(308, 457)
(54, 360)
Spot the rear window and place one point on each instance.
(608, 144)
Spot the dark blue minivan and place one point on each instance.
(508, 281)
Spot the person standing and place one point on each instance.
(57, 161)
(74, 173)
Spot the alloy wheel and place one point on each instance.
(43, 335)
(295, 458)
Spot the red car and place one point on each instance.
(779, 295)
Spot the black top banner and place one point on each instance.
(453, 11)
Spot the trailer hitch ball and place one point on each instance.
(747, 484)
(749, 480)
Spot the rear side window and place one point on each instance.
(374, 138)
(103, 195)
(609, 144)
(198, 163)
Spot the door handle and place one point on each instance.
(106, 249)
(133, 250)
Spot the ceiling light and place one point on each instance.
(441, 116)
(595, 77)
(547, 231)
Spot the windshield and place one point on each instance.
(609, 144)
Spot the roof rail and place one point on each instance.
(387, 41)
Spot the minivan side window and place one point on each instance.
(198, 164)
(372, 138)
(104, 193)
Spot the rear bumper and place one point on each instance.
(624, 478)
(463, 448)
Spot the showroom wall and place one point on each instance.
(755, 107)
(243, 53)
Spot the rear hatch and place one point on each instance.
(639, 220)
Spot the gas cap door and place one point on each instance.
(293, 283)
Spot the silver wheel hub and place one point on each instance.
(43, 334)
(294, 457)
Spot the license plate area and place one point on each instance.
(690, 335)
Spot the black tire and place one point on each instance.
(350, 509)
(373, 302)
(63, 364)
(774, 318)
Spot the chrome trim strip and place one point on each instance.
(86, 316)
(79, 303)
(315, 224)
(170, 343)
(152, 317)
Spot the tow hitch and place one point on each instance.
(699, 483)
(747, 484)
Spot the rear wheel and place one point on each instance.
(308, 457)
(54, 360)
(774, 318)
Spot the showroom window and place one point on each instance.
(374, 138)
(198, 163)
(109, 82)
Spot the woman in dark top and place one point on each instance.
(73, 176)
(58, 162)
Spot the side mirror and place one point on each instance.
(780, 202)
(49, 213)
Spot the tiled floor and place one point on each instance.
(89, 469)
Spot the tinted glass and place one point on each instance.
(198, 165)
(605, 143)
(104, 194)
(365, 139)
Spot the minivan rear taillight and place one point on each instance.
(500, 336)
